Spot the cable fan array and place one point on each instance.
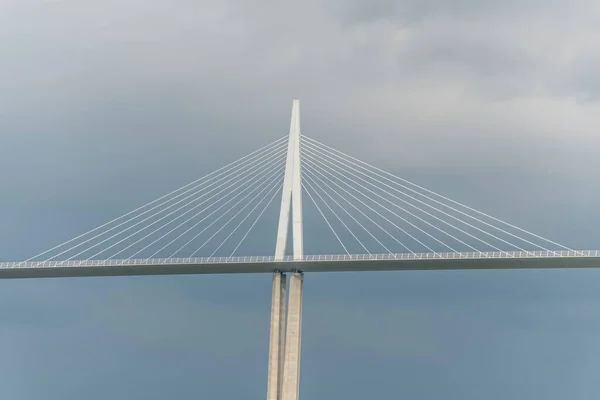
(211, 216)
(368, 211)
(371, 211)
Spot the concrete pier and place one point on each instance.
(277, 337)
(293, 338)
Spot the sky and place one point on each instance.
(107, 105)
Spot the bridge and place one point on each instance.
(314, 263)
(378, 221)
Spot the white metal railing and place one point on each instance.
(310, 258)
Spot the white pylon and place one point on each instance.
(291, 193)
(284, 350)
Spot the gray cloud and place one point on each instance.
(107, 105)
(409, 11)
(461, 85)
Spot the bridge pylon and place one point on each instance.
(286, 333)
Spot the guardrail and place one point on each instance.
(309, 258)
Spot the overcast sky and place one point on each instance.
(107, 105)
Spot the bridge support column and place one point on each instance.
(291, 369)
(291, 197)
(277, 339)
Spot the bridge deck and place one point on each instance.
(317, 263)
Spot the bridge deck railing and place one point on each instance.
(308, 258)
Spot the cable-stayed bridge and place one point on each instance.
(375, 220)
